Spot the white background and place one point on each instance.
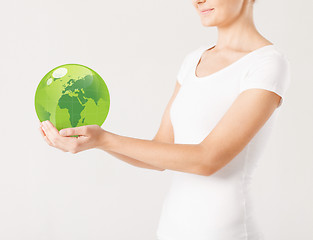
(137, 47)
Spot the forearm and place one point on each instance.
(133, 161)
(179, 157)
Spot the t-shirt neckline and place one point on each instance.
(210, 46)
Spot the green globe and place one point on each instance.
(72, 95)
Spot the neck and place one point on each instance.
(241, 34)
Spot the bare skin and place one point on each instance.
(237, 36)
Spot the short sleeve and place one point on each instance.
(187, 64)
(271, 73)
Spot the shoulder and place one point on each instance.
(273, 59)
(269, 70)
(188, 61)
(191, 54)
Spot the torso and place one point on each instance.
(218, 206)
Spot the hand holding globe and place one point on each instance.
(90, 136)
(74, 98)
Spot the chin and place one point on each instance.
(208, 23)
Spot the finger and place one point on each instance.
(82, 130)
(49, 127)
(51, 132)
(45, 137)
(42, 132)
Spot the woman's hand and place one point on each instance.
(89, 136)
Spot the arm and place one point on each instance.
(244, 118)
(237, 127)
(133, 161)
(178, 157)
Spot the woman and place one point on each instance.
(213, 131)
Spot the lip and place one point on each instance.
(206, 11)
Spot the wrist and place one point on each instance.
(105, 140)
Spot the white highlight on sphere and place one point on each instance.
(60, 72)
(49, 81)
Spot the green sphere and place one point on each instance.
(72, 95)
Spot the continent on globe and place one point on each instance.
(72, 95)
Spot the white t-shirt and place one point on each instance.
(219, 207)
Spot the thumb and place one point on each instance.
(73, 131)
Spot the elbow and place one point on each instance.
(205, 171)
(207, 165)
(213, 164)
